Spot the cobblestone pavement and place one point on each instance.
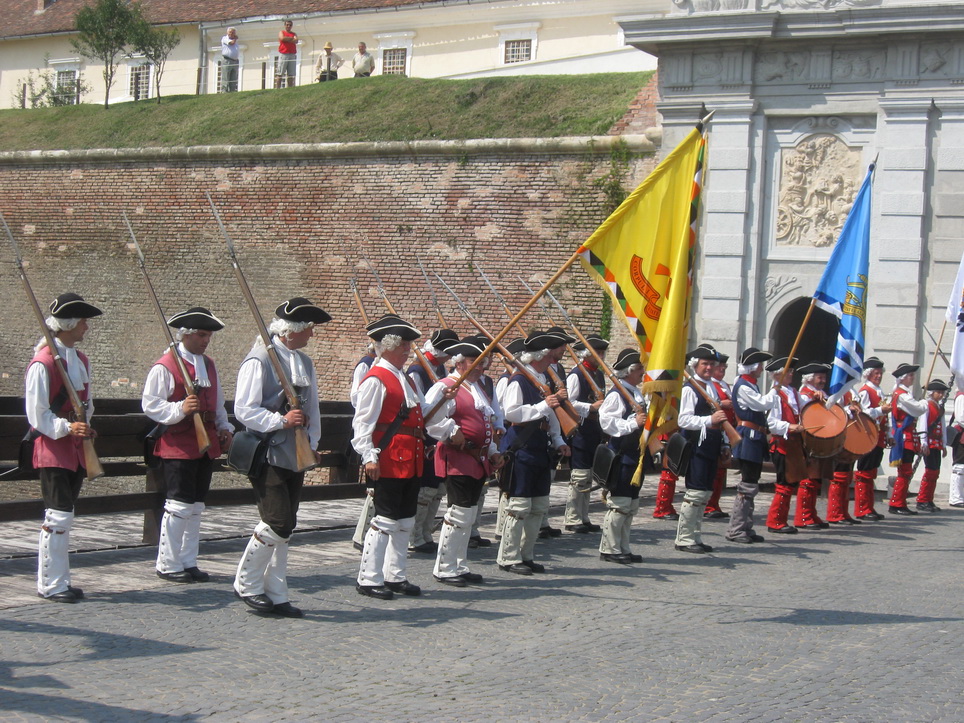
(855, 624)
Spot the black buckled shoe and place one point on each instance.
(547, 532)
(198, 574)
(78, 593)
(871, 517)
(592, 527)
(695, 549)
(518, 568)
(618, 558)
(376, 591)
(928, 507)
(180, 576)
(258, 603)
(706, 548)
(404, 587)
(580, 529)
(456, 581)
(534, 566)
(65, 596)
(425, 547)
(901, 511)
(477, 541)
(756, 538)
(668, 516)
(287, 610)
(716, 515)
(786, 530)
(472, 577)
(742, 540)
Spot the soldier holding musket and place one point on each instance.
(786, 446)
(904, 411)
(871, 399)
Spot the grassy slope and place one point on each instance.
(386, 108)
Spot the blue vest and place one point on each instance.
(710, 449)
(753, 444)
(535, 450)
(589, 434)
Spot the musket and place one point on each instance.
(353, 284)
(568, 420)
(200, 431)
(304, 454)
(91, 462)
(438, 308)
(937, 348)
(423, 362)
(597, 392)
(731, 433)
(560, 384)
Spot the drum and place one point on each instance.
(860, 438)
(823, 429)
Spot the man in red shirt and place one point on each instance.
(288, 62)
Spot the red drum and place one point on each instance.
(860, 438)
(823, 429)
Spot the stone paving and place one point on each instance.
(846, 624)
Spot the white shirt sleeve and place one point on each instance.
(611, 417)
(775, 420)
(361, 369)
(914, 407)
(865, 405)
(687, 411)
(959, 409)
(37, 402)
(154, 400)
(371, 395)
(247, 400)
(443, 427)
(752, 399)
(572, 386)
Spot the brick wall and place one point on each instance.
(642, 113)
(297, 224)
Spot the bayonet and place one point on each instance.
(438, 308)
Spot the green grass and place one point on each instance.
(385, 108)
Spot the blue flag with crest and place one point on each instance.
(843, 292)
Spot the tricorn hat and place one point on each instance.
(392, 324)
(938, 385)
(595, 341)
(752, 355)
(516, 346)
(814, 368)
(903, 369)
(442, 339)
(73, 306)
(560, 332)
(873, 363)
(777, 365)
(544, 340)
(471, 347)
(626, 358)
(703, 352)
(197, 317)
(299, 309)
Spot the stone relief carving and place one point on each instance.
(819, 180)
(776, 286)
(857, 65)
(934, 58)
(780, 66)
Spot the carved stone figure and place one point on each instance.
(818, 184)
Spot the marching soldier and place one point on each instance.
(785, 443)
(367, 512)
(556, 371)
(588, 435)
(57, 449)
(624, 427)
(701, 426)
(516, 347)
(814, 380)
(464, 458)
(186, 472)
(260, 405)
(713, 510)
(933, 438)
(871, 399)
(390, 438)
(904, 411)
(432, 491)
(751, 408)
(534, 434)
(487, 387)
(955, 496)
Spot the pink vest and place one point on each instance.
(66, 452)
(477, 430)
(179, 441)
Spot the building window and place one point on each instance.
(140, 81)
(518, 43)
(65, 83)
(393, 61)
(517, 51)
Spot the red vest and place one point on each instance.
(477, 430)
(721, 391)
(66, 452)
(405, 456)
(179, 441)
(875, 399)
(935, 425)
(777, 442)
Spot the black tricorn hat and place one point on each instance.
(299, 309)
(703, 352)
(903, 369)
(544, 340)
(722, 358)
(73, 306)
(560, 332)
(392, 324)
(873, 363)
(442, 339)
(752, 355)
(938, 385)
(197, 317)
(626, 358)
(815, 368)
(471, 347)
(777, 365)
(595, 341)
(516, 346)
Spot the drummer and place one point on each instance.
(871, 398)
(838, 501)
(814, 383)
(785, 441)
(905, 410)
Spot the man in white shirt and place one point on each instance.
(362, 64)
(328, 64)
(230, 57)
(905, 410)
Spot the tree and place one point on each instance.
(156, 44)
(105, 32)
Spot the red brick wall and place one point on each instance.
(296, 225)
(642, 113)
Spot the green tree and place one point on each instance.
(105, 32)
(156, 44)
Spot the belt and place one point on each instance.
(754, 427)
(416, 432)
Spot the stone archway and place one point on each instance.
(819, 338)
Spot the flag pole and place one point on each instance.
(937, 350)
(796, 343)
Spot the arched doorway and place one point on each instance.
(819, 338)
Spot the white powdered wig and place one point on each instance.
(182, 332)
(389, 342)
(623, 373)
(283, 327)
(527, 357)
(749, 369)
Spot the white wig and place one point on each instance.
(623, 373)
(527, 357)
(182, 332)
(583, 354)
(55, 324)
(283, 327)
(748, 369)
(389, 342)
(808, 378)
(865, 374)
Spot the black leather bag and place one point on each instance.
(678, 453)
(248, 453)
(602, 467)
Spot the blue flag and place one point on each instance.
(843, 292)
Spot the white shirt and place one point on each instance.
(361, 369)
(363, 63)
(247, 398)
(775, 420)
(907, 404)
(368, 407)
(37, 395)
(756, 401)
(159, 387)
(611, 412)
(229, 47)
(863, 396)
(445, 427)
(573, 382)
(517, 412)
(322, 65)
